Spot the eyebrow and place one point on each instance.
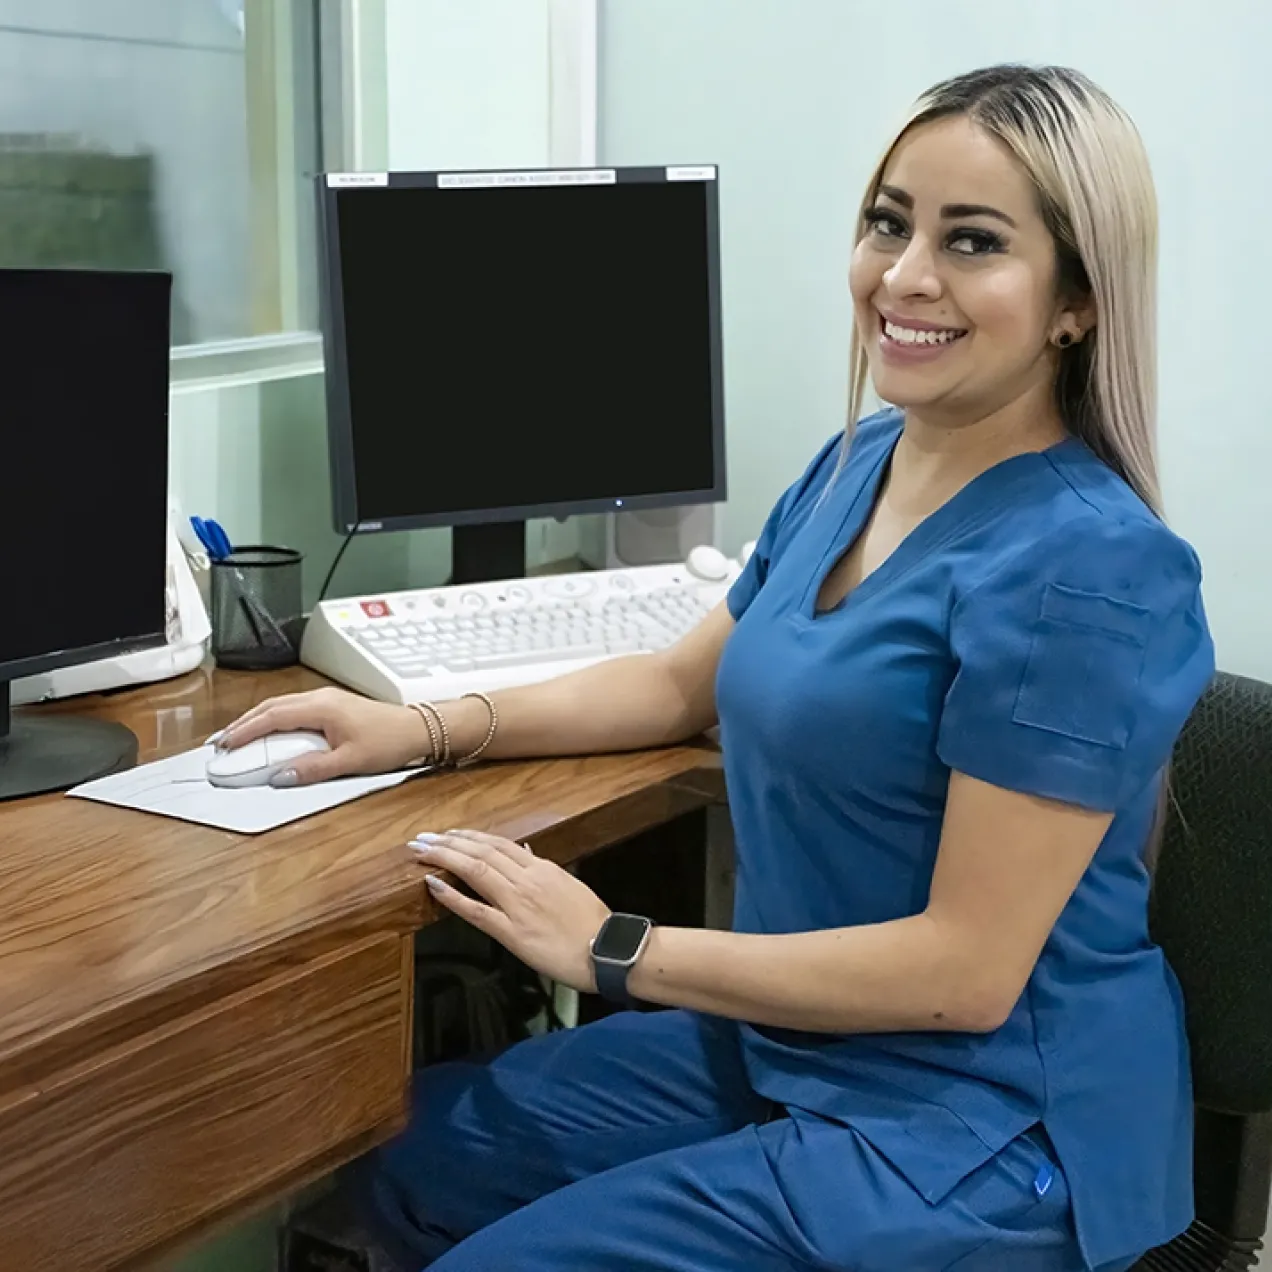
(951, 211)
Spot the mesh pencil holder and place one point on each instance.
(257, 608)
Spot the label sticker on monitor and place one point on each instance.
(503, 180)
(707, 173)
(376, 609)
(365, 180)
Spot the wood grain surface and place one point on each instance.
(203, 1017)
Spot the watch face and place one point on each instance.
(620, 938)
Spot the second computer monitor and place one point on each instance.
(521, 344)
(84, 507)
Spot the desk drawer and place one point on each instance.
(186, 1124)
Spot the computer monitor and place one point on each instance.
(83, 508)
(505, 345)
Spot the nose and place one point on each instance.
(914, 274)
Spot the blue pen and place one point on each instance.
(212, 536)
(205, 537)
(219, 537)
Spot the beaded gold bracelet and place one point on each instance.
(434, 739)
(473, 756)
(444, 757)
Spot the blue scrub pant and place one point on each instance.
(637, 1143)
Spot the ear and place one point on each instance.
(1075, 319)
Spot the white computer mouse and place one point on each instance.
(707, 563)
(256, 763)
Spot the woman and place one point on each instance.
(949, 681)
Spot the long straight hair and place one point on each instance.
(1095, 190)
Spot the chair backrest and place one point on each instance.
(1212, 896)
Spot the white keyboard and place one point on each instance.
(438, 643)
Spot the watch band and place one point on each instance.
(611, 981)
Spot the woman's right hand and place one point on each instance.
(365, 737)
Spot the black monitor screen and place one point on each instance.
(84, 453)
(538, 347)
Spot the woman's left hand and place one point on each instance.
(534, 908)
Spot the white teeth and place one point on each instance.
(907, 335)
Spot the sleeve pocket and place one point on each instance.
(1084, 667)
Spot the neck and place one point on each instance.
(939, 452)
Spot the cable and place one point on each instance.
(331, 573)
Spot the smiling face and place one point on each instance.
(954, 280)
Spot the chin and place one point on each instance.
(908, 390)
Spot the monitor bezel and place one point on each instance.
(344, 497)
(42, 664)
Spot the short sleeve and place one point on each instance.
(1078, 662)
(798, 497)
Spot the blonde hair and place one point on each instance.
(1095, 191)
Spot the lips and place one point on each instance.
(912, 343)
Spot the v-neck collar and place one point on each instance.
(966, 509)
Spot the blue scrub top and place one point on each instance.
(1042, 632)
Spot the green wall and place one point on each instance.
(255, 457)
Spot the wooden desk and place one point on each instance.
(192, 1022)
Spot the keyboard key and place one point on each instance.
(521, 657)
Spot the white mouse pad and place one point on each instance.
(178, 787)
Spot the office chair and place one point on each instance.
(1212, 913)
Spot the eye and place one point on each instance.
(884, 224)
(969, 242)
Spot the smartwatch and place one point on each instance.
(615, 950)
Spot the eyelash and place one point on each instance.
(984, 241)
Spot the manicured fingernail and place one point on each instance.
(287, 778)
(422, 850)
(435, 884)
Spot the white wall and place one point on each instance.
(793, 98)
(468, 84)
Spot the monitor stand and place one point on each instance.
(488, 553)
(42, 752)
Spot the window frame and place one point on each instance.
(337, 50)
(297, 55)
